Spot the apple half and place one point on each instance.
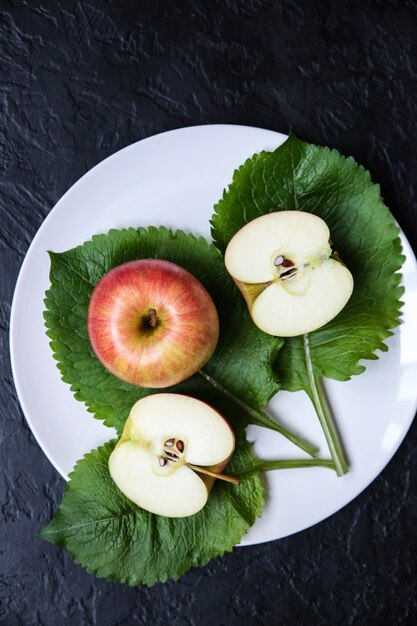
(171, 450)
(152, 323)
(291, 279)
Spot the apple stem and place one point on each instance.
(320, 404)
(265, 466)
(260, 418)
(152, 318)
(203, 470)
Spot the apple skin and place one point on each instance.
(186, 323)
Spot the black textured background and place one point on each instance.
(79, 80)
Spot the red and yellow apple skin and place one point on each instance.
(151, 323)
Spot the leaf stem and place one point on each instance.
(260, 418)
(265, 466)
(320, 404)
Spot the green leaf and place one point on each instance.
(242, 360)
(113, 538)
(301, 176)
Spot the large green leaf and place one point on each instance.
(301, 176)
(113, 538)
(242, 360)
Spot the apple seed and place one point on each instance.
(172, 456)
(162, 461)
(169, 443)
(180, 446)
(288, 273)
(289, 268)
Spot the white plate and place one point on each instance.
(174, 179)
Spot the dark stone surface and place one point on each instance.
(79, 80)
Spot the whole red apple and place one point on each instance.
(152, 323)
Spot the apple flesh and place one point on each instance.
(169, 444)
(291, 279)
(152, 323)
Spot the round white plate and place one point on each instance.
(174, 179)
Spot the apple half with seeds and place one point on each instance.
(291, 279)
(172, 449)
(152, 323)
